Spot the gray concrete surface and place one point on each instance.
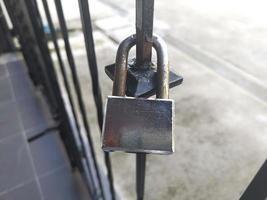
(232, 30)
(220, 122)
(226, 36)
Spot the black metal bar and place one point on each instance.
(20, 24)
(26, 26)
(48, 66)
(91, 58)
(144, 32)
(110, 175)
(26, 29)
(66, 83)
(6, 42)
(161, 92)
(140, 175)
(64, 31)
(60, 61)
(144, 42)
(60, 113)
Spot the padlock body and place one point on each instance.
(138, 125)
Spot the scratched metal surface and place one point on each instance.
(138, 125)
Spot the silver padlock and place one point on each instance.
(137, 124)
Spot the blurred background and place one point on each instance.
(220, 48)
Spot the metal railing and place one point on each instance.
(28, 27)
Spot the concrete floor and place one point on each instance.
(221, 109)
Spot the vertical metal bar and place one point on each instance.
(66, 83)
(110, 175)
(64, 31)
(61, 114)
(44, 53)
(60, 61)
(144, 32)
(6, 42)
(26, 29)
(21, 27)
(140, 175)
(91, 58)
(144, 42)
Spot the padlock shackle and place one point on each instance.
(119, 85)
(163, 76)
(162, 80)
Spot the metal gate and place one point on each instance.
(27, 26)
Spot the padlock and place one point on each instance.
(136, 124)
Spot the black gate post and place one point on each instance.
(6, 42)
(91, 58)
(144, 35)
